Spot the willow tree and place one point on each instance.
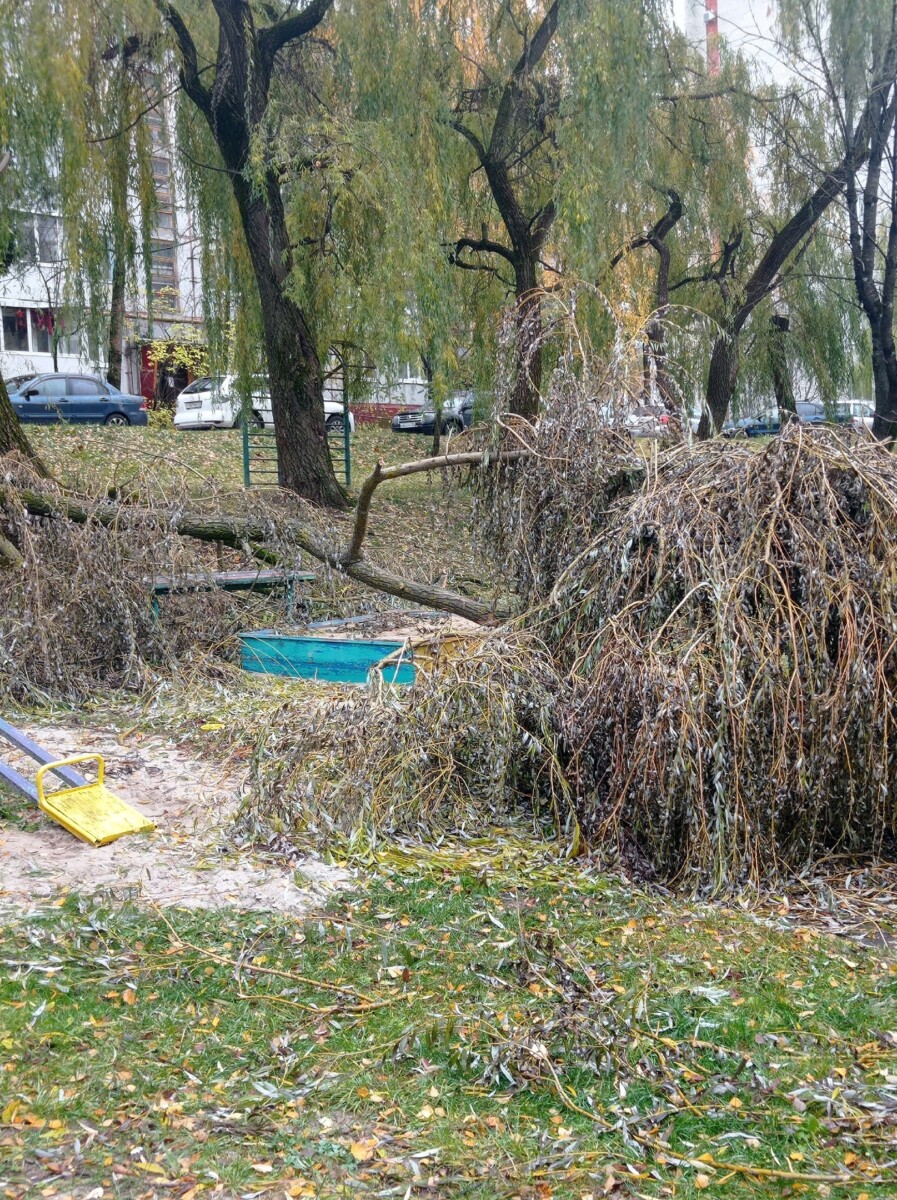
(853, 51)
(233, 94)
(802, 173)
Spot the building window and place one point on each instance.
(15, 329)
(163, 262)
(24, 239)
(42, 331)
(70, 343)
(48, 239)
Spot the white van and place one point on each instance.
(212, 403)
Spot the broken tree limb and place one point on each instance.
(236, 532)
(9, 555)
(380, 474)
(242, 533)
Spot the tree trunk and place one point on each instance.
(528, 339)
(12, 436)
(721, 379)
(781, 372)
(235, 105)
(295, 377)
(436, 444)
(116, 320)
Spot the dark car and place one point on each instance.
(456, 415)
(82, 399)
(809, 412)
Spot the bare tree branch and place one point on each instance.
(290, 29)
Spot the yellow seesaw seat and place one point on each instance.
(91, 812)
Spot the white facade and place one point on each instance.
(33, 289)
(33, 293)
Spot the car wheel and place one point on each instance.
(254, 421)
(335, 423)
(451, 428)
(117, 419)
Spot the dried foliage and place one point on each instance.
(708, 678)
(475, 738)
(76, 618)
(728, 643)
(536, 516)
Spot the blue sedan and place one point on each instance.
(81, 399)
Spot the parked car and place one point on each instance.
(456, 415)
(212, 403)
(649, 420)
(860, 412)
(81, 399)
(809, 412)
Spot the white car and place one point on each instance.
(860, 412)
(212, 403)
(649, 420)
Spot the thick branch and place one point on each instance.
(9, 555)
(238, 532)
(657, 232)
(380, 474)
(189, 72)
(482, 246)
(275, 37)
(533, 51)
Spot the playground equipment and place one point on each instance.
(90, 811)
(260, 454)
(259, 580)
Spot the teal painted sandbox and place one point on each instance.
(334, 660)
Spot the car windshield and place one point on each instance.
(208, 383)
(18, 381)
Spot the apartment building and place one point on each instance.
(37, 329)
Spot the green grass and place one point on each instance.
(483, 1027)
(478, 1021)
(96, 458)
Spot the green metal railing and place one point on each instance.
(260, 453)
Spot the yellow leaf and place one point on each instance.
(9, 1113)
(796, 1156)
(849, 1158)
(735, 1103)
(702, 1181)
(129, 996)
(363, 1151)
(151, 1168)
(426, 1112)
(211, 726)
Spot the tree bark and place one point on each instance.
(12, 436)
(514, 118)
(235, 108)
(295, 377)
(876, 295)
(783, 388)
(766, 275)
(722, 376)
(116, 319)
(528, 339)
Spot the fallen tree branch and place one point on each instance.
(240, 532)
(380, 474)
(236, 532)
(9, 555)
